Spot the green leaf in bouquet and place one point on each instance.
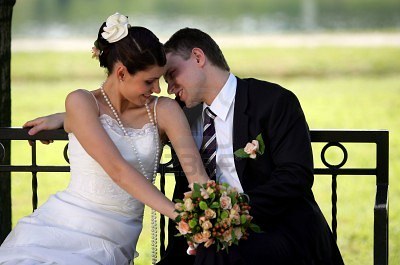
(197, 229)
(212, 196)
(215, 205)
(196, 191)
(178, 201)
(233, 198)
(261, 144)
(178, 219)
(243, 219)
(226, 185)
(224, 214)
(203, 205)
(193, 222)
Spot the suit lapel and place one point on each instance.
(240, 124)
(192, 114)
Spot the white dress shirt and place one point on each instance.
(223, 107)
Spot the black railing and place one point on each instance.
(329, 138)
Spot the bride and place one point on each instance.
(115, 142)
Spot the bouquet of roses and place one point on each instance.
(214, 213)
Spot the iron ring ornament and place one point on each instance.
(341, 147)
(66, 153)
(2, 152)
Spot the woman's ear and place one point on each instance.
(121, 72)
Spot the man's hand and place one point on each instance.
(50, 122)
(191, 249)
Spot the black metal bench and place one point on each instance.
(329, 138)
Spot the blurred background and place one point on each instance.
(71, 18)
(340, 57)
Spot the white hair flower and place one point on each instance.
(116, 28)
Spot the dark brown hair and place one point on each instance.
(139, 50)
(184, 40)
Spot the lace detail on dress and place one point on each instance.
(113, 125)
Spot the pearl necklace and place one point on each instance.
(156, 137)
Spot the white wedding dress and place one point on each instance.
(93, 221)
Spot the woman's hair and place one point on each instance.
(184, 40)
(139, 50)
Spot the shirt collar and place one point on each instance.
(225, 98)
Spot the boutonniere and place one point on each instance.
(252, 149)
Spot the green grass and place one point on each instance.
(338, 87)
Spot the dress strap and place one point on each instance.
(155, 110)
(95, 99)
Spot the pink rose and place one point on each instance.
(183, 227)
(252, 148)
(225, 202)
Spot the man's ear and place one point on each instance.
(199, 56)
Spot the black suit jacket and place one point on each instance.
(279, 181)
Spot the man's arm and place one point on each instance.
(50, 122)
(289, 150)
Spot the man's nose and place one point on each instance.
(171, 88)
(156, 88)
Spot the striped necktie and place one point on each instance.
(208, 149)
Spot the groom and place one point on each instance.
(278, 182)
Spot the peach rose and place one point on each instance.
(179, 206)
(199, 238)
(183, 227)
(204, 193)
(187, 194)
(206, 225)
(210, 213)
(227, 235)
(206, 235)
(252, 148)
(209, 242)
(188, 204)
(238, 232)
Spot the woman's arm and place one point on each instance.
(82, 120)
(173, 122)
